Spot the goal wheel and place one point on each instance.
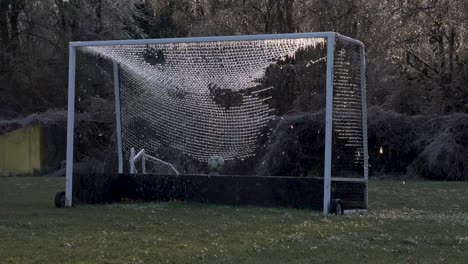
(337, 207)
(60, 200)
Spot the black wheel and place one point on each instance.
(337, 207)
(60, 200)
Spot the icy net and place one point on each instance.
(348, 151)
(201, 98)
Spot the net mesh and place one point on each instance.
(347, 154)
(204, 99)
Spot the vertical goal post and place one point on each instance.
(331, 39)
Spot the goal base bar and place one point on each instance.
(267, 191)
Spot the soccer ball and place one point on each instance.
(215, 163)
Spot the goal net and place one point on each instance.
(203, 99)
(273, 105)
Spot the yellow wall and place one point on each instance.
(20, 151)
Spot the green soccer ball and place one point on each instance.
(215, 163)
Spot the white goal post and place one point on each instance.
(330, 38)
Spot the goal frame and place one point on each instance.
(330, 38)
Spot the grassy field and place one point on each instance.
(416, 222)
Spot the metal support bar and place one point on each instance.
(328, 125)
(118, 124)
(364, 121)
(141, 154)
(132, 158)
(143, 164)
(163, 162)
(138, 155)
(144, 157)
(70, 127)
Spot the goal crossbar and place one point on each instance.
(216, 39)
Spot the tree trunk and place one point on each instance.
(61, 9)
(289, 16)
(284, 16)
(4, 33)
(451, 43)
(99, 26)
(16, 7)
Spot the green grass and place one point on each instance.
(416, 222)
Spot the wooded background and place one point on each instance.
(417, 58)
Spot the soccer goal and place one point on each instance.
(272, 106)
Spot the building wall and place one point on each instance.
(20, 151)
